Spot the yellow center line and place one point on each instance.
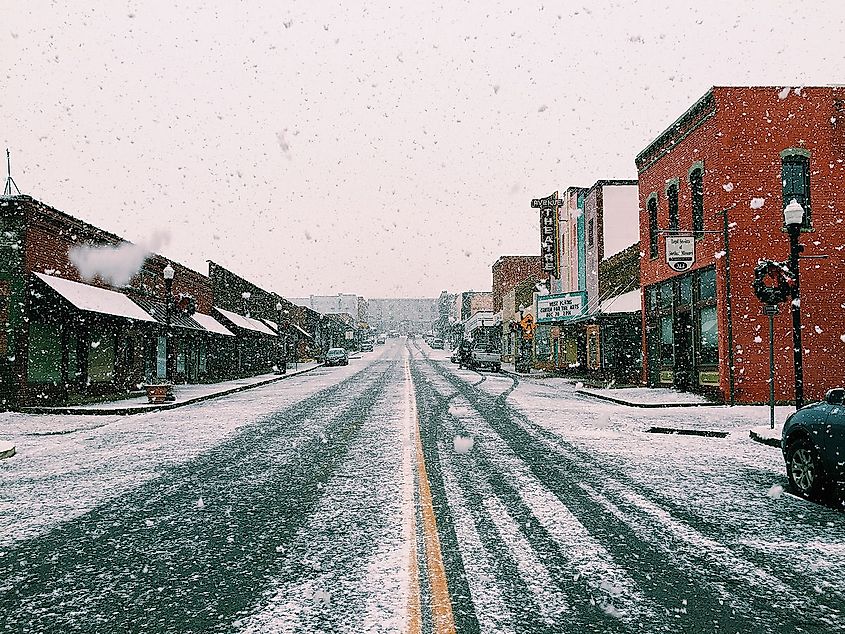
(441, 605)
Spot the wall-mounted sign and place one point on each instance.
(680, 252)
(563, 307)
(548, 231)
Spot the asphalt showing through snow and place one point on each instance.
(654, 566)
(410, 496)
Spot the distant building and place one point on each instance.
(407, 315)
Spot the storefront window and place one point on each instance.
(202, 357)
(101, 357)
(180, 358)
(667, 341)
(45, 354)
(708, 336)
(666, 294)
(651, 298)
(161, 357)
(685, 284)
(707, 284)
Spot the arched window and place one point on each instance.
(652, 227)
(795, 174)
(672, 198)
(696, 183)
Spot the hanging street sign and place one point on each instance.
(563, 307)
(680, 252)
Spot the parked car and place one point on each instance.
(366, 346)
(456, 355)
(485, 356)
(380, 340)
(436, 343)
(813, 443)
(337, 356)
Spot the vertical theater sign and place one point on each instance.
(548, 232)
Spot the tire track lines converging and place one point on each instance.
(564, 587)
(197, 546)
(344, 571)
(751, 586)
(707, 583)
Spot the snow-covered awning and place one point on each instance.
(275, 327)
(246, 323)
(95, 299)
(211, 324)
(304, 334)
(625, 303)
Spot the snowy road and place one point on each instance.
(402, 494)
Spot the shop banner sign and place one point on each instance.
(563, 307)
(680, 252)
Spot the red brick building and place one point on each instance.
(510, 270)
(83, 314)
(747, 150)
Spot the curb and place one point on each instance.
(771, 442)
(143, 409)
(8, 452)
(619, 401)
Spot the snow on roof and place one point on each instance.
(301, 330)
(247, 323)
(629, 302)
(95, 299)
(275, 326)
(211, 324)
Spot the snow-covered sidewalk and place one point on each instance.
(646, 396)
(185, 395)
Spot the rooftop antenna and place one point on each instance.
(7, 191)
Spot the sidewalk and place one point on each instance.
(185, 395)
(647, 397)
(508, 368)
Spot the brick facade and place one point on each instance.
(736, 136)
(510, 270)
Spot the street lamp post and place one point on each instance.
(283, 343)
(793, 217)
(168, 307)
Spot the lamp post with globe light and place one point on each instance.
(282, 363)
(168, 274)
(793, 217)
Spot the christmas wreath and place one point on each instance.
(780, 287)
(185, 303)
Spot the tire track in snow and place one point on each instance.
(526, 438)
(155, 559)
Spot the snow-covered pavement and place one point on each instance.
(355, 499)
(586, 522)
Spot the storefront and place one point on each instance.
(682, 331)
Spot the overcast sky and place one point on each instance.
(388, 151)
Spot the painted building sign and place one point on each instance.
(563, 307)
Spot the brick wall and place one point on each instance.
(510, 270)
(737, 135)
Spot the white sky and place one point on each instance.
(389, 151)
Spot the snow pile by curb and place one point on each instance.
(7, 449)
(765, 435)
